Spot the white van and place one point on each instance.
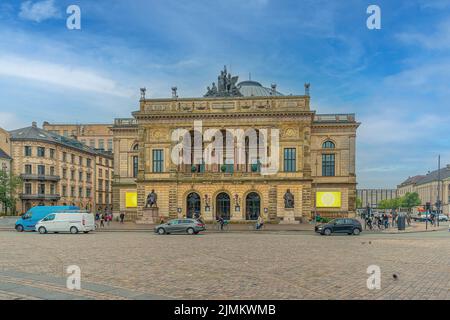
(72, 222)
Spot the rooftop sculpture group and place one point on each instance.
(226, 86)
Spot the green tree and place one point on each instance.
(9, 185)
(410, 200)
(358, 203)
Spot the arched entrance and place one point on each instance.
(223, 206)
(193, 205)
(252, 206)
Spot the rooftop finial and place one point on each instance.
(143, 90)
(174, 92)
(307, 86)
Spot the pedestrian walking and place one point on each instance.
(102, 220)
(260, 223)
(122, 217)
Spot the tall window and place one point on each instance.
(290, 160)
(52, 153)
(64, 191)
(110, 144)
(158, 160)
(28, 169)
(41, 189)
(27, 188)
(41, 170)
(101, 144)
(27, 151)
(328, 163)
(135, 167)
(41, 152)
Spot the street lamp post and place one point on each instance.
(438, 202)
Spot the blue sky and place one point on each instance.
(396, 80)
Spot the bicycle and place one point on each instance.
(226, 226)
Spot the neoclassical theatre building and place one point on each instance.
(313, 156)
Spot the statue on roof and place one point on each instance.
(226, 86)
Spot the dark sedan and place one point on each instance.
(342, 225)
(189, 226)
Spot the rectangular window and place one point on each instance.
(41, 189)
(158, 160)
(101, 144)
(28, 169)
(52, 189)
(80, 175)
(110, 144)
(72, 175)
(72, 158)
(100, 172)
(88, 177)
(290, 160)
(92, 143)
(64, 158)
(52, 171)
(135, 167)
(72, 191)
(80, 192)
(27, 151)
(328, 163)
(64, 191)
(88, 163)
(88, 192)
(81, 160)
(41, 152)
(41, 170)
(52, 153)
(27, 188)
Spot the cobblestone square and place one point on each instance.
(234, 265)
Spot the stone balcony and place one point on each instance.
(50, 197)
(40, 177)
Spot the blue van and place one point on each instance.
(28, 221)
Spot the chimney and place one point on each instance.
(34, 124)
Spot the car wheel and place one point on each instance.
(73, 230)
(19, 228)
(42, 230)
(327, 232)
(356, 231)
(161, 231)
(190, 231)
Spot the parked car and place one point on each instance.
(443, 218)
(72, 222)
(341, 225)
(28, 221)
(189, 226)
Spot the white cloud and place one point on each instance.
(39, 11)
(10, 121)
(438, 40)
(60, 75)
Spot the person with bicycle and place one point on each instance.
(221, 221)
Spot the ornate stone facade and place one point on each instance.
(316, 154)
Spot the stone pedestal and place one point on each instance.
(289, 216)
(149, 216)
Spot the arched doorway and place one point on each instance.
(193, 205)
(223, 206)
(252, 206)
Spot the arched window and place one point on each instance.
(136, 147)
(223, 206)
(252, 206)
(193, 205)
(328, 145)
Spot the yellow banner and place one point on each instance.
(131, 199)
(328, 199)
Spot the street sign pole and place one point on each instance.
(439, 190)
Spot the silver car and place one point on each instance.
(189, 226)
